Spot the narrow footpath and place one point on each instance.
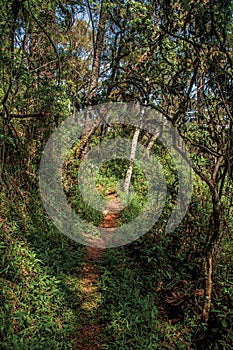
(90, 336)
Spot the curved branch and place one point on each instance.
(50, 40)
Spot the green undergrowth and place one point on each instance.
(150, 300)
(131, 306)
(150, 292)
(109, 181)
(40, 281)
(74, 195)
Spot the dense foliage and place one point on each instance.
(165, 290)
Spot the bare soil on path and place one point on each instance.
(90, 336)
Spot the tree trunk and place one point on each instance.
(94, 79)
(98, 50)
(131, 160)
(208, 270)
(152, 142)
(150, 145)
(209, 251)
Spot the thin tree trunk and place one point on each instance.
(131, 160)
(208, 270)
(98, 50)
(150, 145)
(94, 79)
(209, 251)
(152, 142)
(200, 98)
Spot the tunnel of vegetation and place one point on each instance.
(164, 290)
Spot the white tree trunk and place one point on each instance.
(150, 145)
(131, 160)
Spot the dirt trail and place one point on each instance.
(90, 336)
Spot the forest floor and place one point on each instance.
(90, 336)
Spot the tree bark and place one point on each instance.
(98, 50)
(152, 142)
(94, 79)
(208, 270)
(209, 251)
(131, 160)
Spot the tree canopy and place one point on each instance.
(175, 57)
